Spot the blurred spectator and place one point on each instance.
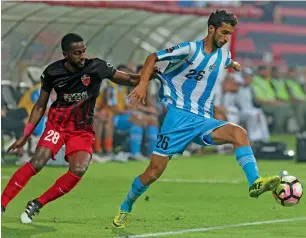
(225, 100)
(10, 124)
(28, 101)
(254, 118)
(125, 120)
(225, 107)
(297, 97)
(150, 110)
(103, 131)
(265, 97)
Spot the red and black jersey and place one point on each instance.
(76, 91)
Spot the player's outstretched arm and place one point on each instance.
(36, 114)
(126, 79)
(139, 93)
(129, 79)
(234, 65)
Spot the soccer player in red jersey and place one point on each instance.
(76, 81)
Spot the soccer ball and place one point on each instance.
(289, 192)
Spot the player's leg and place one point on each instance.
(78, 164)
(231, 133)
(22, 176)
(49, 144)
(141, 183)
(79, 146)
(152, 131)
(176, 133)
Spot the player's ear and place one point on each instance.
(211, 29)
(65, 54)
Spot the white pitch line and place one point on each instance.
(203, 181)
(167, 233)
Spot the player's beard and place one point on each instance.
(216, 42)
(78, 64)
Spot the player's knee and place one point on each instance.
(79, 169)
(39, 160)
(240, 135)
(154, 173)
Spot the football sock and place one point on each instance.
(152, 136)
(17, 182)
(62, 186)
(136, 190)
(136, 133)
(247, 162)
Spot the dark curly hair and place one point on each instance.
(220, 16)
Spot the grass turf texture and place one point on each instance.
(88, 210)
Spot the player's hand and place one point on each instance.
(138, 94)
(156, 71)
(236, 66)
(19, 143)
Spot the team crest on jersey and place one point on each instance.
(212, 67)
(85, 79)
(169, 50)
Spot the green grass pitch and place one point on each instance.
(196, 192)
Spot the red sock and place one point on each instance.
(62, 186)
(17, 182)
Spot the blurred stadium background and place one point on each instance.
(268, 97)
(269, 43)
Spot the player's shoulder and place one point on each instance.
(54, 68)
(225, 51)
(97, 62)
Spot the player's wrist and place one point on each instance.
(29, 129)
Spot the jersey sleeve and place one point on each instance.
(228, 59)
(106, 70)
(178, 52)
(46, 83)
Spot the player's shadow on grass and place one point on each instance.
(7, 232)
(121, 232)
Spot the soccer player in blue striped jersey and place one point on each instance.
(188, 86)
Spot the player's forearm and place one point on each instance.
(126, 79)
(148, 68)
(36, 114)
(232, 64)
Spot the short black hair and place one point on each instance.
(69, 39)
(220, 16)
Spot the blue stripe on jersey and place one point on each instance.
(170, 56)
(190, 84)
(180, 69)
(211, 111)
(161, 94)
(210, 84)
(169, 76)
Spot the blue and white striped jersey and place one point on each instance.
(188, 82)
